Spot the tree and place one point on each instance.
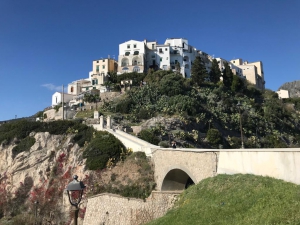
(237, 84)
(227, 75)
(215, 72)
(199, 73)
(112, 77)
(177, 67)
(214, 137)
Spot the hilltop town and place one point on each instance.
(175, 54)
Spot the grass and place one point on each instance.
(236, 199)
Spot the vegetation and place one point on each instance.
(124, 184)
(199, 72)
(210, 104)
(236, 199)
(104, 147)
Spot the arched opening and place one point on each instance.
(125, 62)
(186, 58)
(176, 180)
(136, 61)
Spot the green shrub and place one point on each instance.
(214, 137)
(149, 136)
(164, 144)
(102, 148)
(124, 106)
(144, 114)
(24, 145)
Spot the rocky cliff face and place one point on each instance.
(40, 174)
(292, 87)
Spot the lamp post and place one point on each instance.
(75, 191)
(241, 128)
(36, 212)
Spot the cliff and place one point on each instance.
(293, 88)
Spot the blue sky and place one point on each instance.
(46, 44)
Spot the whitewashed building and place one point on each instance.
(131, 57)
(135, 56)
(283, 94)
(57, 98)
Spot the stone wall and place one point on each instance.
(114, 209)
(196, 164)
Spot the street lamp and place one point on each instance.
(241, 128)
(36, 212)
(75, 191)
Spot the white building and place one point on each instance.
(135, 56)
(283, 94)
(57, 98)
(131, 57)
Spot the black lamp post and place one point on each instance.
(75, 191)
(36, 212)
(241, 128)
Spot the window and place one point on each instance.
(167, 58)
(152, 46)
(153, 56)
(160, 59)
(87, 88)
(127, 53)
(97, 68)
(166, 49)
(176, 61)
(160, 50)
(72, 89)
(103, 60)
(136, 69)
(134, 46)
(136, 53)
(233, 61)
(103, 67)
(97, 61)
(128, 46)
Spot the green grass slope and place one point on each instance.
(236, 199)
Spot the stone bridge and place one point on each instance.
(176, 169)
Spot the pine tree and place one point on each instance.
(199, 73)
(215, 72)
(227, 76)
(177, 67)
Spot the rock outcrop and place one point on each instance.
(293, 88)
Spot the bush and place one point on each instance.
(214, 137)
(148, 136)
(102, 148)
(124, 106)
(24, 145)
(144, 114)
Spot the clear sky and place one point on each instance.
(45, 44)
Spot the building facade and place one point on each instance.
(131, 57)
(135, 56)
(101, 69)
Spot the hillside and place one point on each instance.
(236, 199)
(292, 87)
(168, 107)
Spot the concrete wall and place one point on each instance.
(113, 209)
(278, 163)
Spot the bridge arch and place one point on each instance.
(177, 179)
